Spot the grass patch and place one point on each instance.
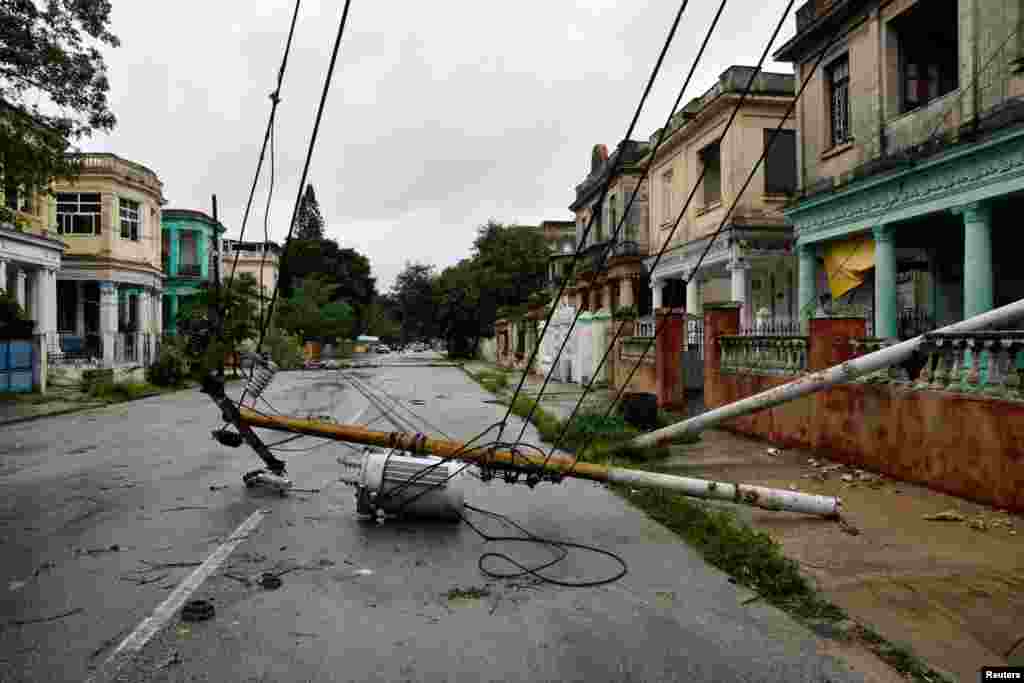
(122, 391)
(471, 593)
(492, 380)
(754, 560)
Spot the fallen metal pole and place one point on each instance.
(757, 496)
(823, 379)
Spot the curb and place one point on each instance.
(82, 409)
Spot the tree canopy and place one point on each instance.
(413, 293)
(312, 313)
(309, 223)
(53, 85)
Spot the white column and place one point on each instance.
(3, 274)
(740, 281)
(657, 287)
(19, 288)
(80, 308)
(108, 321)
(50, 293)
(158, 313)
(693, 303)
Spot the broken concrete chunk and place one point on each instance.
(847, 478)
(945, 516)
(774, 452)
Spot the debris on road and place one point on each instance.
(270, 581)
(197, 610)
(42, 620)
(185, 507)
(113, 548)
(945, 516)
(774, 452)
(171, 661)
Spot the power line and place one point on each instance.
(616, 159)
(305, 168)
(789, 110)
(662, 136)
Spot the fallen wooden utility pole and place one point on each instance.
(823, 379)
(523, 461)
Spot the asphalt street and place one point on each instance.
(104, 513)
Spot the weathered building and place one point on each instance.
(911, 152)
(188, 254)
(110, 282)
(698, 162)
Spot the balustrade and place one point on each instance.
(987, 363)
(774, 355)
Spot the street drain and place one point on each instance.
(197, 610)
(270, 581)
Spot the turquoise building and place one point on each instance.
(190, 240)
(911, 160)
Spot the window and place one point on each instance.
(711, 158)
(598, 229)
(839, 100)
(928, 52)
(130, 221)
(78, 213)
(666, 197)
(780, 162)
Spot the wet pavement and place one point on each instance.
(105, 512)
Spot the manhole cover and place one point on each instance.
(197, 610)
(270, 581)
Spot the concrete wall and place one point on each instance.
(645, 379)
(965, 445)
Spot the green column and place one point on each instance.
(204, 263)
(173, 313)
(807, 294)
(978, 279)
(885, 283)
(172, 234)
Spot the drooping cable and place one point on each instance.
(789, 110)
(616, 159)
(662, 136)
(305, 168)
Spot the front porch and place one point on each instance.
(105, 325)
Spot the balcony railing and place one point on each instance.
(190, 270)
(763, 355)
(646, 327)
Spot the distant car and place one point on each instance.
(383, 348)
(313, 365)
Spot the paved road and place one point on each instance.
(365, 602)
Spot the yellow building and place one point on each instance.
(262, 260)
(110, 283)
(751, 260)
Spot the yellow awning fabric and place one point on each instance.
(846, 262)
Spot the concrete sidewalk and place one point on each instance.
(951, 590)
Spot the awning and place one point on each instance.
(847, 261)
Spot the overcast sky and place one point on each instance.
(441, 114)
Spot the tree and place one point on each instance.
(309, 224)
(240, 318)
(346, 269)
(382, 320)
(413, 291)
(53, 85)
(312, 315)
(514, 260)
(465, 309)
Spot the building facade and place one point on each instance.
(188, 257)
(261, 260)
(110, 283)
(699, 168)
(30, 255)
(911, 159)
(621, 280)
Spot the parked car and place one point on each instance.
(383, 348)
(313, 365)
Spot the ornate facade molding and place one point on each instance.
(984, 171)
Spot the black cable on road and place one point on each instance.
(662, 136)
(789, 110)
(305, 168)
(604, 192)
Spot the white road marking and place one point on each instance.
(150, 626)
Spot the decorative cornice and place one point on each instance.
(981, 172)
